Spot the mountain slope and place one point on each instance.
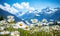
(5, 14)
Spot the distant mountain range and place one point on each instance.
(47, 13)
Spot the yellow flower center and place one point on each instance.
(15, 34)
(39, 25)
(26, 27)
(21, 24)
(34, 20)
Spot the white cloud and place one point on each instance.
(8, 8)
(25, 4)
(17, 5)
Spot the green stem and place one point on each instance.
(26, 34)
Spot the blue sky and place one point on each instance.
(38, 4)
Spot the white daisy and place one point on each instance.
(15, 27)
(51, 22)
(46, 24)
(32, 31)
(40, 24)
(44, 20)
(46, 29)
(8, 26)
(21, 24)
(31, 25)
(34, 20)
(11, 20)
(10, 17)
(36, 29)
(4, 32)
(55, 27)
(26, 27)
(1, 28)
(58, 22)
(3, 22)
(15, 33)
